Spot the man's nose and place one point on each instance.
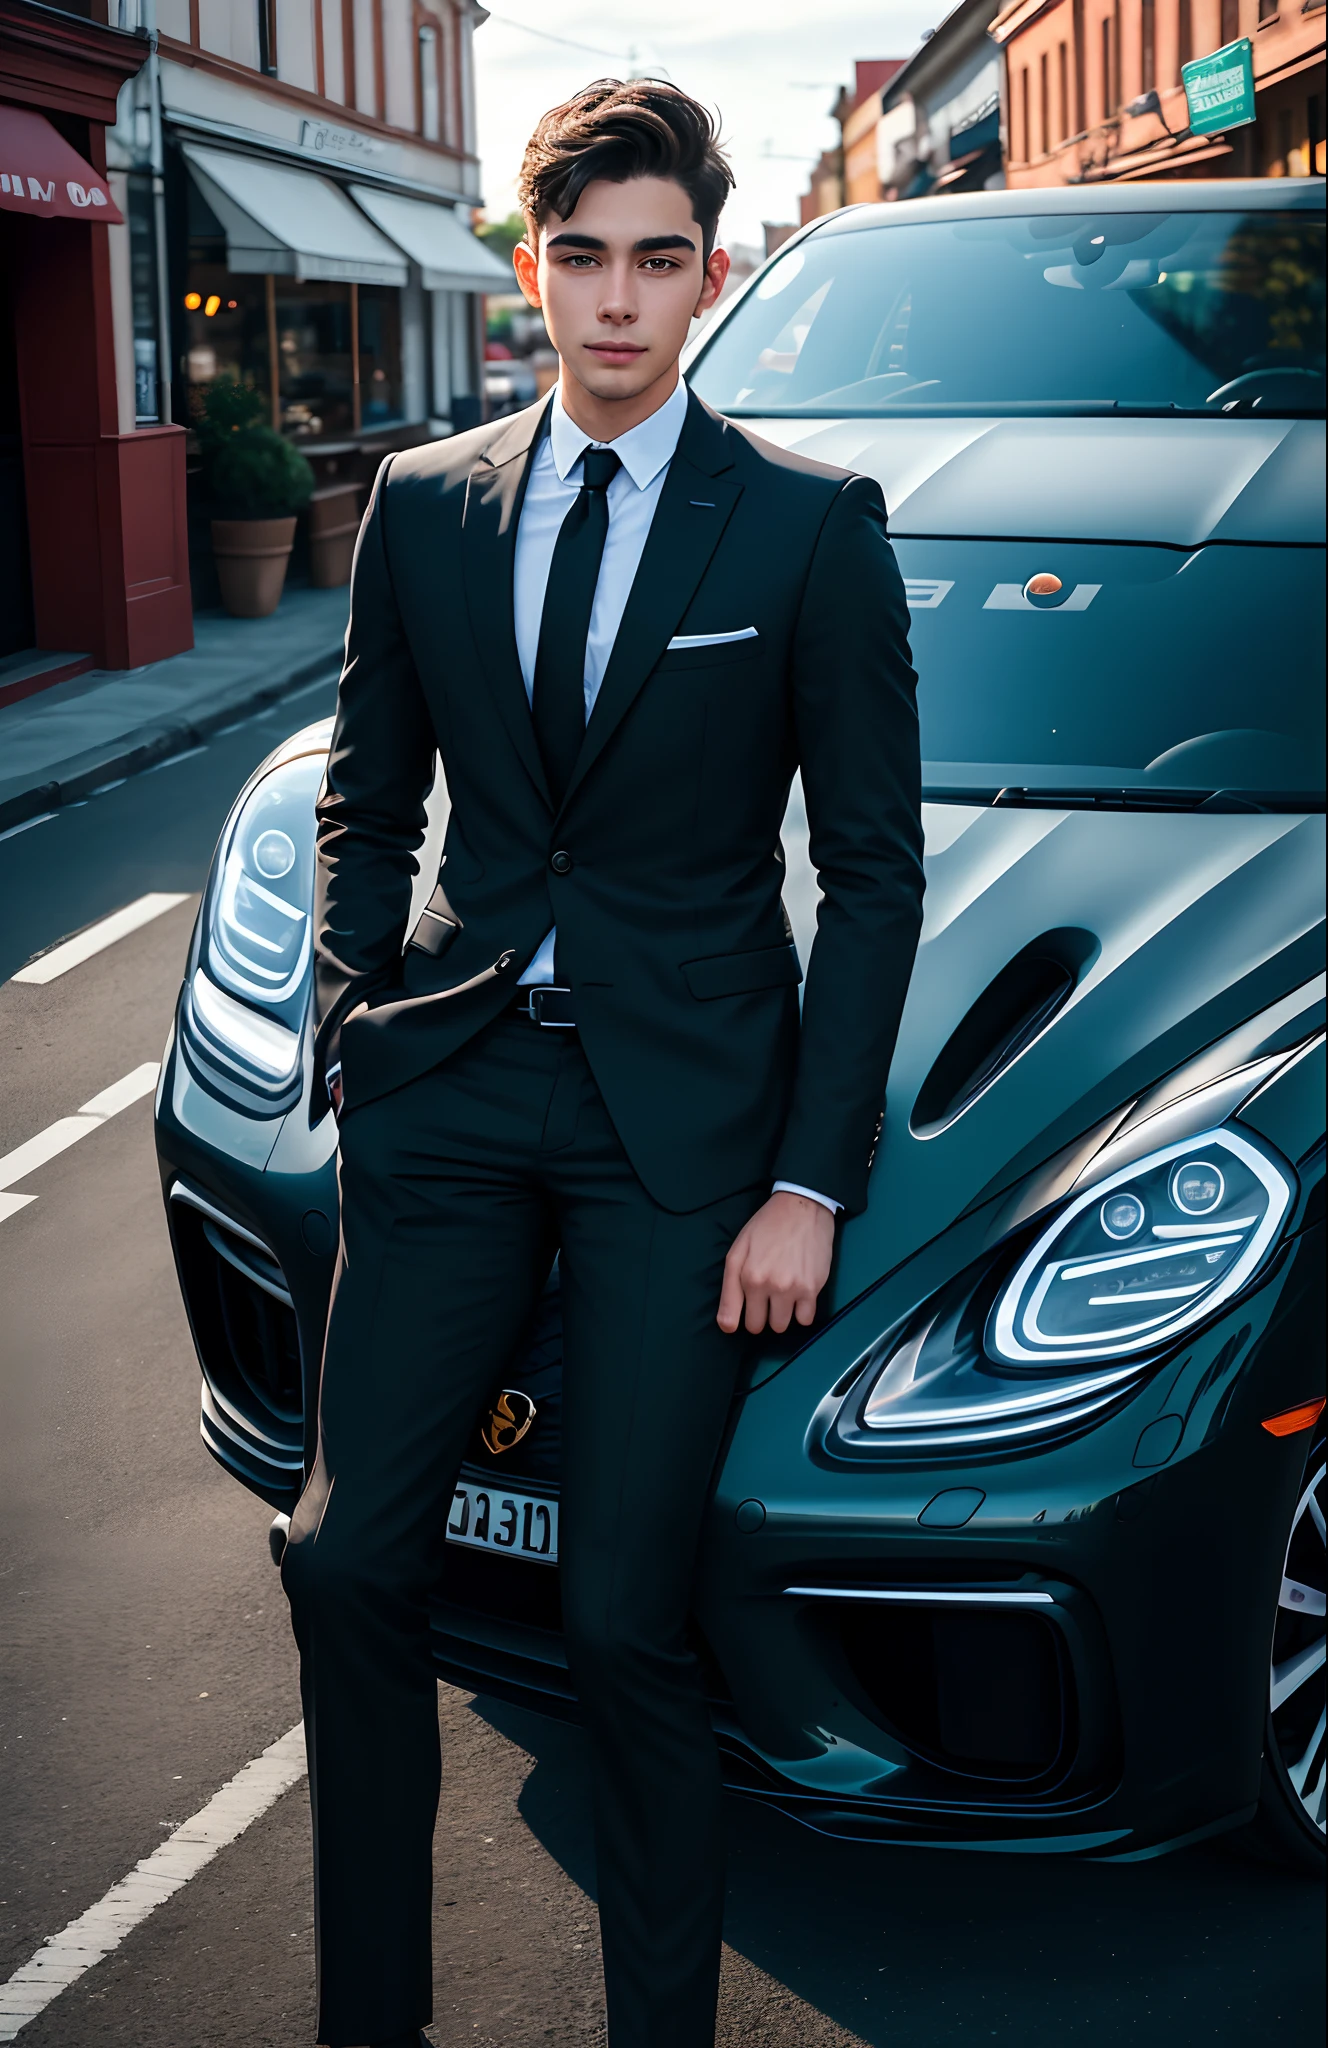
(618, 302)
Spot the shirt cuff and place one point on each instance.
(788, 1187)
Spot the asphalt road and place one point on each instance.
(146, 1652)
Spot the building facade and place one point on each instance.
(288, 195)
(940, 126)
(1094, 90)
(862, 117)
(320, 173)
(846, 174)
(93, 553)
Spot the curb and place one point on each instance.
(144, 747)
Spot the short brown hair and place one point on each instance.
(642, 129)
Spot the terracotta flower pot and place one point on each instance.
(251, 557)
(334, 521)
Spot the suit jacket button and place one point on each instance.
(561, 862)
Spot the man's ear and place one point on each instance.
(525, 262)
(716, 272)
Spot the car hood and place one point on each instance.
(1193, 925)
(1177, 483)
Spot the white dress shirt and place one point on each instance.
(645, 452)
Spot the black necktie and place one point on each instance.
(559, 699)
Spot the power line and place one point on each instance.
(567, 42)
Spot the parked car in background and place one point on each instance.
(1022, 1546)
(509, 384)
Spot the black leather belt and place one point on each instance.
(550, 1008)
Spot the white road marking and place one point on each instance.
(97, 937)
(140, 1081)
(67, 1130)
(63, 1958)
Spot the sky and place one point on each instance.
(770, 67)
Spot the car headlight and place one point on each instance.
(1120, 1272)
(247, 998)
(1142, 1257)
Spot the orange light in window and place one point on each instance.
(213, 305)
(1292, 1420)
(192, 301)
(231, 304)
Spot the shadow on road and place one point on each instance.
(930, 1947)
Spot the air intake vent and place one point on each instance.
(1009, 1014)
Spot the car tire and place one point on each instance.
(1289, 1825)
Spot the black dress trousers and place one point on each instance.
(456, 1191)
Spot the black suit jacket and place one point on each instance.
(662, 867)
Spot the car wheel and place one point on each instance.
(1290, 1821)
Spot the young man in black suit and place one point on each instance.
(625, 623)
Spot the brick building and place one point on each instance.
(1094, 92)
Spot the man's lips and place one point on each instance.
(615, 348)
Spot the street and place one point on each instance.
(148, 1658)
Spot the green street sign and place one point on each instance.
(1219, 89)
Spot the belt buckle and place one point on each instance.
(536, 1009)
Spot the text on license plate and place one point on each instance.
(487, 1518)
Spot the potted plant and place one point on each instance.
(258, 484)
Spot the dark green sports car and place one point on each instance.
(1022, 1547)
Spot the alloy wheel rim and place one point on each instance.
(1296, 1678)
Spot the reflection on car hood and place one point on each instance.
(1175, 482)
(1201, 921)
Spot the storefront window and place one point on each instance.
(235, 322)
(143, 288)
(314, 342)
(380, 355)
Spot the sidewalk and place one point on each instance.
(68, 740)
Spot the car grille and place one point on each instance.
(248, 1346)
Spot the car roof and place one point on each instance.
(1197, 195)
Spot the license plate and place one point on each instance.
(514, 1524)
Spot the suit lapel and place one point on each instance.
(694, 508)
(494, 493)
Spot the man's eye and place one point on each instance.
(660, 263)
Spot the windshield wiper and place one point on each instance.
(1037, 798)
(1017, 408)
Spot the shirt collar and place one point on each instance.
(644, 450)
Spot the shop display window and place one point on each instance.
(239, 324)
(313, 328)
(380, 355)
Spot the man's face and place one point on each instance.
(620, 282)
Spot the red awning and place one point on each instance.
(41, 174)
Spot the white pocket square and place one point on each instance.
(712, 639)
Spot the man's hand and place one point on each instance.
(778, 1264)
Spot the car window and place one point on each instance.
(1208, 312)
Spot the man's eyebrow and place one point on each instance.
(649, 246)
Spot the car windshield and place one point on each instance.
(1219, 313)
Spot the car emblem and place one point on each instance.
(507, 1421)
(1042, 593)
(926, 593)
